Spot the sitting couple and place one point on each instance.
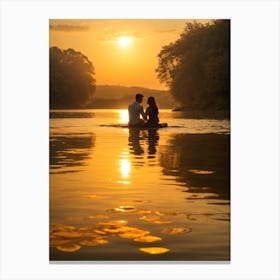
(149, 118)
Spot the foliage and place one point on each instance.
(196, 67)
(72, 82)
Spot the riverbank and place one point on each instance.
(190, 113)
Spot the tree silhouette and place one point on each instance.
(196, 67)
(72, 82)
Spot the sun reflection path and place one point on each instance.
(123, 117)
(125, 168)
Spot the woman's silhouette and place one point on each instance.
(152, 113)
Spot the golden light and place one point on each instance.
(125, 167)
(123, 116)
(124, 41)
(154, 250)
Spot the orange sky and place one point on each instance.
(131, 65)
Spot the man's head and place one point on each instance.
(139, 97)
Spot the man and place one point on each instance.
(135, 110)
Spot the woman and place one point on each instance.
(152, 113)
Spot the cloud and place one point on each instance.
(68, 27)
(116, 35)
(164, 31)
(140, 34)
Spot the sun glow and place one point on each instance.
(123, 116)
(125, 168)
(124, 41)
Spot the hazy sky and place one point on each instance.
(130, 61)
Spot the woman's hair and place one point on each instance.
(151, 101)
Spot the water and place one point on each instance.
(120, 194)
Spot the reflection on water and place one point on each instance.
(125, 168)
(130, 194)
(153, 138)
(138, 137)
(123, 116)
(69, 151)
(134, 141)
(200, 161)
(71, 239)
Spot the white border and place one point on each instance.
(255, 138)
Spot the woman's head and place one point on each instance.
(151, 101)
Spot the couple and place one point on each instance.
(149, 118)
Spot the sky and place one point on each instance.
(123, 51)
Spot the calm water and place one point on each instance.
(120, 194)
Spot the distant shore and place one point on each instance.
(186, 112)
(210, 114)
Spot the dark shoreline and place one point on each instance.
(202, 114)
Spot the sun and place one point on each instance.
(124, 41)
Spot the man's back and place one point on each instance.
(135, 110)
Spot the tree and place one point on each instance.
(72, 82)
(196, 67)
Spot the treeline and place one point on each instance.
(71, 78)
(72, 85)
(196, 67)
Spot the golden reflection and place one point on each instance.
(58, 242)
(147, 238)
(201, 172)
(124, 154)
(123, 117)
(69, 248)
(114, 223)
(155, 219)
(94, 242)
(123, 182)
(132, 233)
(175, 230)
(124, 208)
(154, 250)
(125, 167)
(67, 234)
(70, 239)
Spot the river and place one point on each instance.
(128, 195)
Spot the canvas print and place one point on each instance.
(139, 140)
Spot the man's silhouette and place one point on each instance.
(135, 110)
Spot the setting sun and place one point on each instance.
(124, 41)
(124, 51)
